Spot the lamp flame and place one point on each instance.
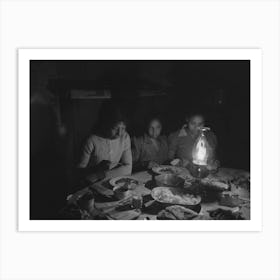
(200, 153)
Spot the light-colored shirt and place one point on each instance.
(181, 144)
(144, 149)
(117, 151)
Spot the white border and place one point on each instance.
(25, 55)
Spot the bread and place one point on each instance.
(176, 212)
(214, 183)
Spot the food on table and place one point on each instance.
(166, 169)
(230, 199)
(124, 215)
(169, 180)
(137, 202)
(201, 217)
(168, 195)
(242, 182)
(124, 184)
(127, 201)
(188, 179)
(245, 210)
(124, 181)
(176, 212)
(214, 183)
(221, 214)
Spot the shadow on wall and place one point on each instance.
(49, 158)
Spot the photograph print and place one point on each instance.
(140, 139)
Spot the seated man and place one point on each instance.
(107, 153)
(182, 141)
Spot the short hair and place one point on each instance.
(195, 112)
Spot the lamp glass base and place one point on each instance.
(198, 171)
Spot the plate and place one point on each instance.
(166, 169)
(214, 183)
(124, 182)
(174, 196)
(124, 215)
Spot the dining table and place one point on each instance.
(99, 201)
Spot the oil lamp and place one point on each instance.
(200, 155)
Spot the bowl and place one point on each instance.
(166, 169)
(169, 180)
(125, 188)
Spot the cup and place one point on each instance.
(137, 202)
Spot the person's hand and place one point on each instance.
(152, 164)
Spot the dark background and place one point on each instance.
(220, 89)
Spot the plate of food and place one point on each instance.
(214, 183)
(166, 169)
(174, 196)
(124, 183)
(177, 212)
(222, 214)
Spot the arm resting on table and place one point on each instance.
(125, 168)
(84, 171)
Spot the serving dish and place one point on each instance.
(166, 169)
(169, 180)
(174, 196)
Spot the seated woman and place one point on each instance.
(182, 141)
(107, 153)
(151, 149)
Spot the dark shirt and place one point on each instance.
(145, 150)
(181, 144)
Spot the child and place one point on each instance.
(151, 149)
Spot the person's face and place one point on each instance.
(154, 129)
(118, 130)
(195, 124)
